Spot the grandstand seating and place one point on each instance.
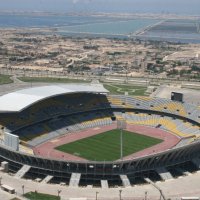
(67, 113)
(176, 126)
(185, 141)
(61, 105)
(157, 104)
(42, 132)
(67, 104)
(37, 133)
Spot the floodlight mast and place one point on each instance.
(120, 126)
(121, 142)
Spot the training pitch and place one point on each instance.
(107, 146)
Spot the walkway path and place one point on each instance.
(183, 186)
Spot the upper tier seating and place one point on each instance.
(65, 105)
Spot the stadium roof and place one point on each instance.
(21, 99)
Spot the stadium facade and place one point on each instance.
(69, 108)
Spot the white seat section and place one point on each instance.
(125, 180)
(47, 179)
(21, 173)
(164, 174)
(74, 180)
(104, 184)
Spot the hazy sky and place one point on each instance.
(152, 6)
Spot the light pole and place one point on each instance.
(121, 124)
(121, 142)
(145, 195)
(59, 191)
(120, 194)
(23, 190)
(97, 194)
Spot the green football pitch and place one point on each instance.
(106, 146)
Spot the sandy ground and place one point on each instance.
(189, 95)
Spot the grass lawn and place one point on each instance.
(40, 196)
(112, 88)
(51, 80)
(121, 89)
(5, 79)
(106, 146)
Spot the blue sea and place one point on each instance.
(90, 26)
(10, 21)
(77, 24)
(121, 27)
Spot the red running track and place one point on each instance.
(48, 149)
(169, 140)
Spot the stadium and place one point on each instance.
(80, 135)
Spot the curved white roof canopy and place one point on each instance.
(21, 99)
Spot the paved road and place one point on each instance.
(183, 186)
